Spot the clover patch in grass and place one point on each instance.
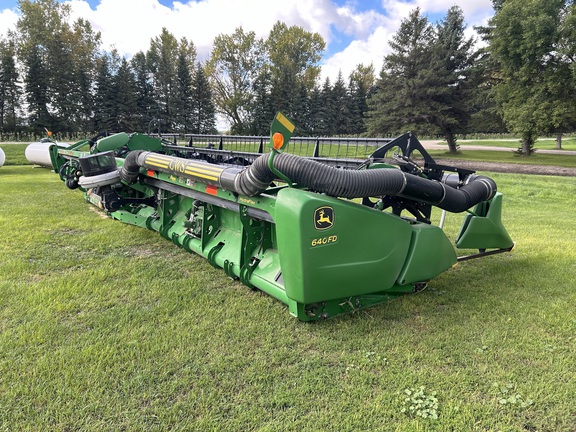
(418, 402)
(507, 396)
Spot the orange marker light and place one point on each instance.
(212, 190)
(277, 140)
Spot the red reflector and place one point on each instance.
(150, 173)
(212, 190)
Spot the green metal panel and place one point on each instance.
(134, 141)
(144, 142)
(141, 216)
(483, 229)
(282, 126)
(332, 248)
(431, 253)
(112, 142)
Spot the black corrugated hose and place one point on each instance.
(363, 183)
(131, 168)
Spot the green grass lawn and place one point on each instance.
(14, 154)
(106, 326)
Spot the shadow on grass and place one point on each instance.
(489, 285)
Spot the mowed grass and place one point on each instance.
(106, 326)
(14, 154)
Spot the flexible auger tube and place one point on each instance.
(363, 183)
(318, 177)
(477, 190)
(130, 169)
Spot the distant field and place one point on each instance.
(106, 326)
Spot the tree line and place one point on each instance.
(436, 81)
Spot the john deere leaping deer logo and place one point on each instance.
(323, 218)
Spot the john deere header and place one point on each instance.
(322, 239)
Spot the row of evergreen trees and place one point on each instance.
(55, 75)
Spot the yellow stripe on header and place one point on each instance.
(157, 161)
(212, 169)
(157, 164)
(285, 122)
(201, 175)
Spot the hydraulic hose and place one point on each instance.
(318, 177)
(342, 183)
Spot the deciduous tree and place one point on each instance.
(294, 55)
(234, 65)
(526, 41)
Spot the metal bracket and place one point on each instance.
(211, 257)
(252, 236)
(483, 253)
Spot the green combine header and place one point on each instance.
(324, 236)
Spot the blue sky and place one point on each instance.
(356, 31)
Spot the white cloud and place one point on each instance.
(129, 25)
(474, 10)
(358, 24)
(8, 20)
(372, 48)
(366, 52)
